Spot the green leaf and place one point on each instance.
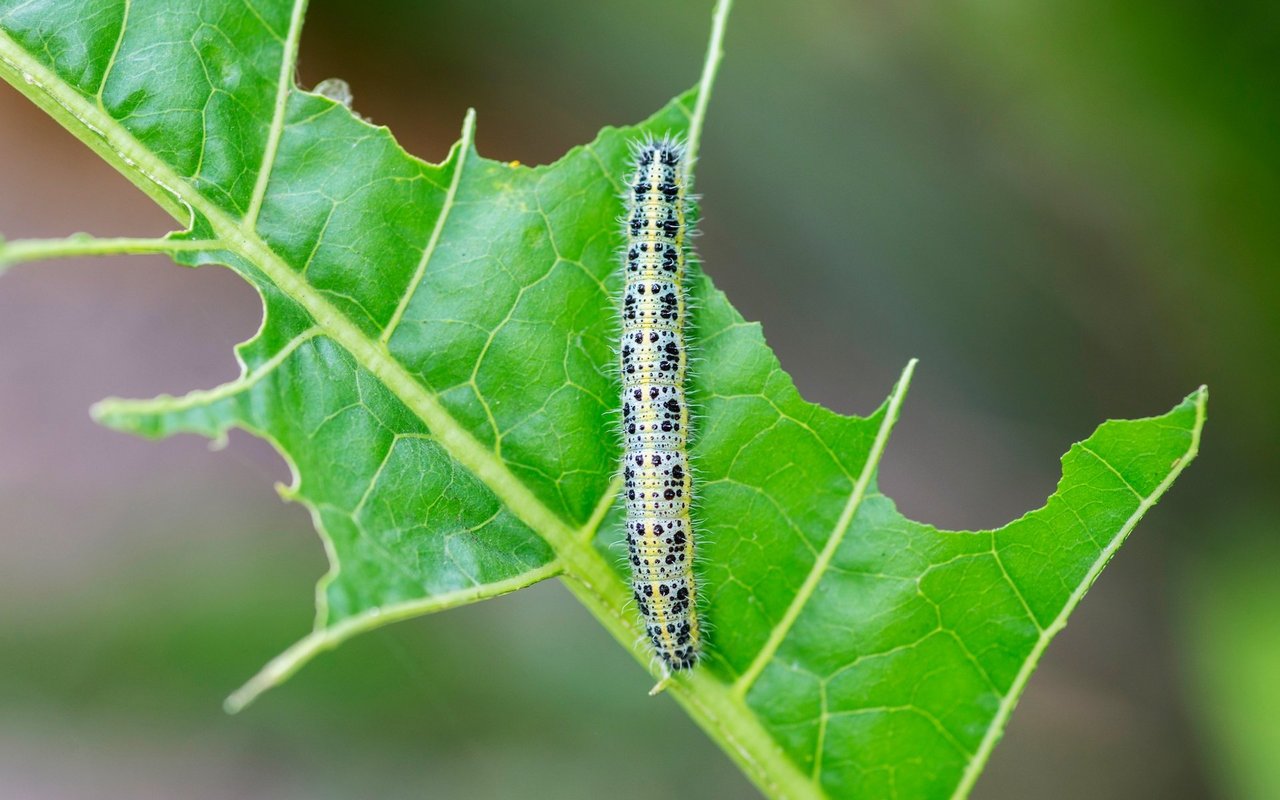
(435, 362)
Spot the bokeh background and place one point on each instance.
(1066, 209)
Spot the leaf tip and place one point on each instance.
(1199, 399)
(101, 411)
(905, 379)
(286, 493)
(894, 403)
(234, 705)
(660, 686)
(1201, 395)
(467, 141)
(112, 412)
(243, 697)
(124, 416)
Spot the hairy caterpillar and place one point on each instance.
(655, 418)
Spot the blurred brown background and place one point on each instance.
(1066, 209)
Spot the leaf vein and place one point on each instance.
(463, 148)
(115, 52)
(288, 61)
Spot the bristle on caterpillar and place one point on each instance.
(657, 484)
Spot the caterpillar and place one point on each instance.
(657, 484)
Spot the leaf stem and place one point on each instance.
(711, 703)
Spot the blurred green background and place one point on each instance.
(1066, 209)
